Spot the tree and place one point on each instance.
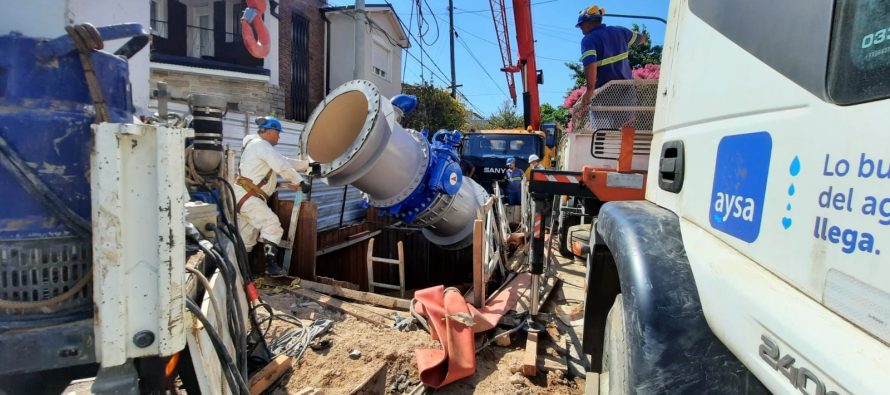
(641, 55)
(436, 109)
(558, 114)
(505, 118)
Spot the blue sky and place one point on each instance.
(485, 87)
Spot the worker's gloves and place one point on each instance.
(314, 168)
(305, 186)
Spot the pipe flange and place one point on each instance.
(372, 95)
(418, 176)
(435, 211)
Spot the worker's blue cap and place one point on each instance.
(592, 13)
(269, 123)
(511, 160)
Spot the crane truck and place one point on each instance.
(749, 256)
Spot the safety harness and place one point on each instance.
(252, 189)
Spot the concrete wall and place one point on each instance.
(47, 18)
(254, 95)
(342, 49)
(343, 52)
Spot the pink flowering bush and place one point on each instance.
(647, 72)
(573, 97)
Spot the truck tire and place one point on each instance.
(565, 222)
(615, 377)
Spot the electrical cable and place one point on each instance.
(472, 55)
(235, 325)
(236, 382)
(239, 322)
(208, 289)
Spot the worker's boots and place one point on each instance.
(273, 269)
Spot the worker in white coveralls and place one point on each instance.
(258, 171)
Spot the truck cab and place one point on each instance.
(757, 261)
(488, 151)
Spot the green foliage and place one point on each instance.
(641, 55)
(558, 114)
(505, 118)
(436, 109)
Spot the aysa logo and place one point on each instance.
(740, 177)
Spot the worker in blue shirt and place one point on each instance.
(513, 176)
(604, 50)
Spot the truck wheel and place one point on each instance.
(565, 222)
(615, 376)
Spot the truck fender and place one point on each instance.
(670, 347)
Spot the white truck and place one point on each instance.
(758, 259)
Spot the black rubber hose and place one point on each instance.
(239, 315)
(234, 326)
(235, 380)
(239, 331)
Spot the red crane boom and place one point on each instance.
(526, 65)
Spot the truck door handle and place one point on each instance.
(670, 167)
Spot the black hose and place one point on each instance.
(235, 380)
(239, 315)
(235, 327)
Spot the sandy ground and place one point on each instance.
(332, 371)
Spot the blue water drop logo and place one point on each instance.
(786, 222)
(788, 207)
(791, 190)
(795, 166)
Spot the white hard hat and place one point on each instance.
(533, 158)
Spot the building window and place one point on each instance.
(233, 21)
(381, 59)
(201, 33)
(159, 18)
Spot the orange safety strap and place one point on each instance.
(252, 189)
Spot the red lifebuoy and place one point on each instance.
(258, 45)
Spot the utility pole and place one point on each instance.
(451, 39)
(360, 38)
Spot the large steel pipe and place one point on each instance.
(355, 136)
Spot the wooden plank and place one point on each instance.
(269, 374)
(351, 241)
(303, 262)
(401, 269)
(373, 384)
(387, 286)
(478, 264)
(337, 283)
(530, 358)
(371, 265)
(367, 297)
(592, 384)
(346, 307)
(385, 260)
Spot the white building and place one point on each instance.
(383, 55)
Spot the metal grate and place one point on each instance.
(616, 103)
(607, 144)
(34, 270)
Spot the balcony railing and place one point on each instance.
(198, 46)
